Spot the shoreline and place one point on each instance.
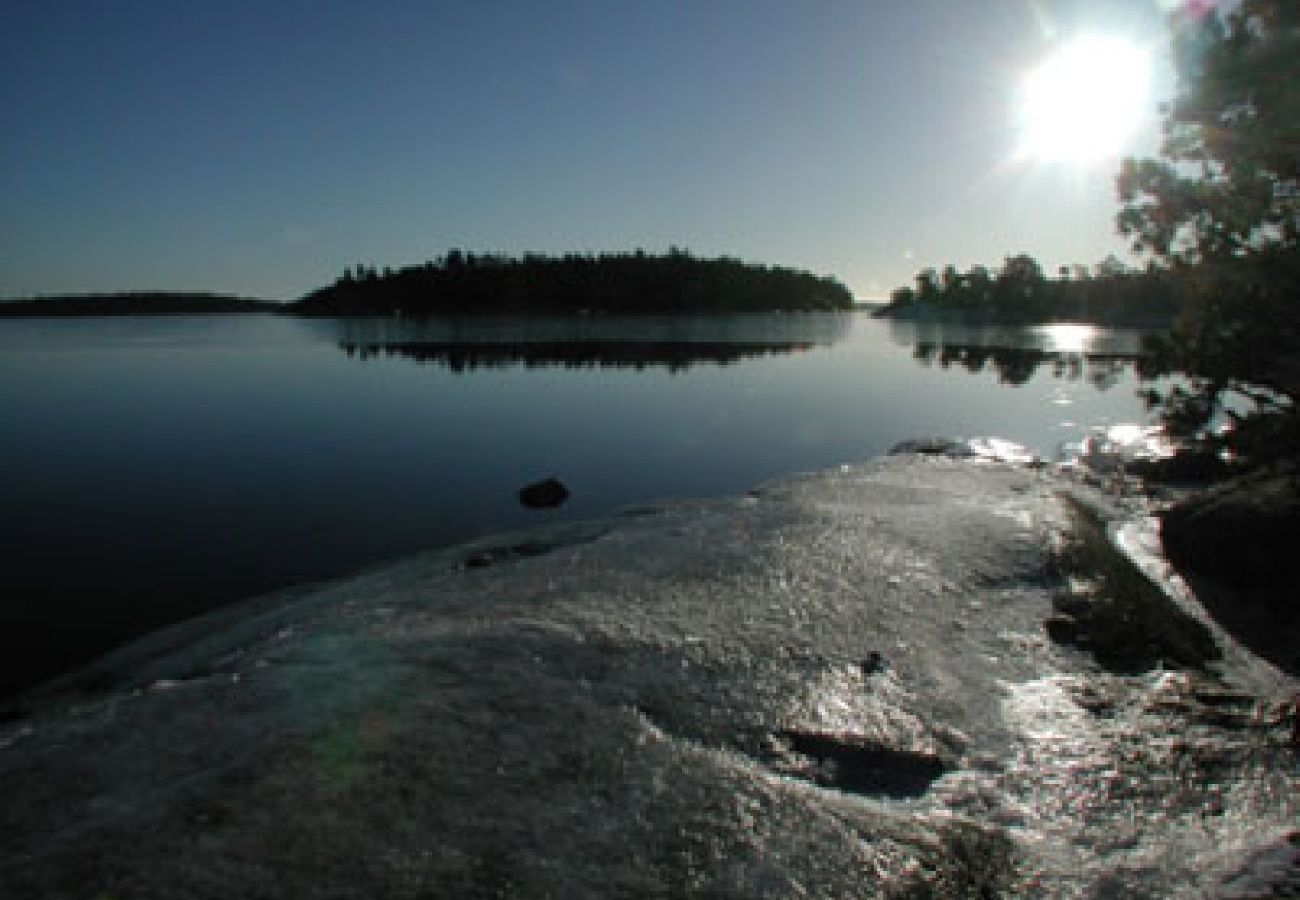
(161, 652)
(203, 642)
(839, 672)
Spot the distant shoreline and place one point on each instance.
(134, 303)
(469, 284)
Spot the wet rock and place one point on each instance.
(689, 684)
(493, 555)
(1098, 699)
(546, 494)
(1107, 606)
(1270, 871)
(1242, 532)
(526, 545)
(1234, 544)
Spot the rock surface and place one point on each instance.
(1235, 542)
(840, 685)
(1241, 532)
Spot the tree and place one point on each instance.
(1110, 267)
(1221, 212)
(1019, 286)
(902, 297)
(980, 280)
(927, 285)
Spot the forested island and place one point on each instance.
(461, 283)
(1021, 292)
(128, 303)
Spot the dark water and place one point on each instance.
(151, 468)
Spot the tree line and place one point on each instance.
(1021, 291)
(460, 283)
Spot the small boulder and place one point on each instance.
(1241, 532)
(546, 494)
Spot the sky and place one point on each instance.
(258, 148)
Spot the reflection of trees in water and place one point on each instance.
(1104, 372)
(639, 355)
(675, 343)
(740, 330)
(1017, 365)
(1123, 342)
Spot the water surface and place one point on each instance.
(151, 468)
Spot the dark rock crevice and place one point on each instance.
(1233, 544)
(1109, 608)
(483, 556)
(849, 763)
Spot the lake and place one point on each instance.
(155, 467)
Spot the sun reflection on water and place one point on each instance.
(1067, 338)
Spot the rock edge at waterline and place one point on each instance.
(840, 684)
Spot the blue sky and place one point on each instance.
(258, 148)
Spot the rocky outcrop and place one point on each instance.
(1107, 606)
(1235, 543)
(837, 686)
(1242, 532)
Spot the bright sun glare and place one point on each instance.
(1067, 338)
(1084, 102)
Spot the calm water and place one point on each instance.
(151, 468)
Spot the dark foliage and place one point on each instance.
(466, 283)
(133, 303)
(1221, 213)
(1020, 292)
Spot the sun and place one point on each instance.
(1084, 102)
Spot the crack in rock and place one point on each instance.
(853, 765)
